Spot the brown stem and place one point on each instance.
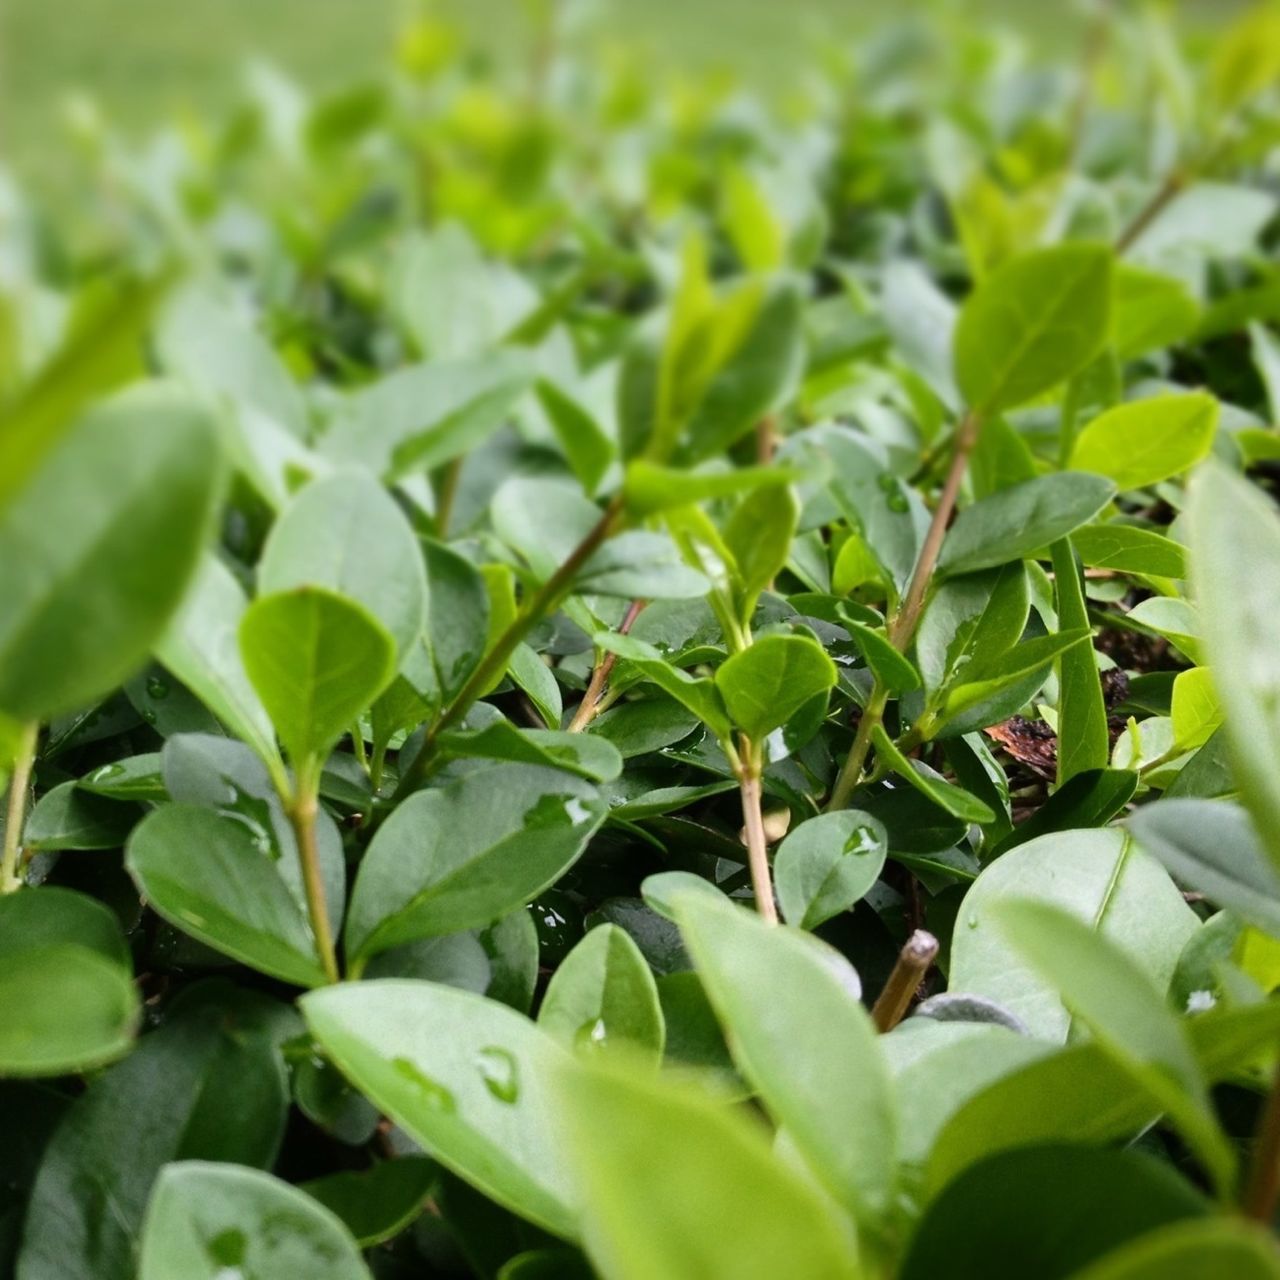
(19, 785)
(757, 841)
(903, 628)
(591, 705)
(302, 817)
(766, 439)
(914, 961)
(494, 663)
(1264, 1172)
(1165, 194)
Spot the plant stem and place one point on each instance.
(302, 809)
(19, 784)
(1264, 1173)
(914, 961)
(591, 704)
(902, 628)
(851, 773)
(749, 772)
(766, 439)
(358, 746)
(446, 494)
(494, 663)
(1165, 194)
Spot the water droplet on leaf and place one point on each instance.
(500, 1072)
(431, 1093)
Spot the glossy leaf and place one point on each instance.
(1141, 443)
(826, 864)
(768, 682)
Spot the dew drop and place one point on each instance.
(500, 1073)
(592, 1035)
(862, 839)
(106, 773)
(157, 688)
(972, 922)
(431, 1093)
(149, 715)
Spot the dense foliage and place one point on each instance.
(604, 675)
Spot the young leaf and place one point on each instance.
(1214, 1247)
(697, 693)
(97, 548)
(1084, 740)
(767, 683)
(345, 533)
(751, 972)
(1142, 443)
(1019, 521)
(826, 864)
(467, 1078)
(207, 1219)
(1235, 535)
(1128, 549)
(1031, 324)
(603, 997)
(317, 661)
(685, 1188)
(759, 535)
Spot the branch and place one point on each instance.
(591, 704)
(914, 961)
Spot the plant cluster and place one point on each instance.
(604, 675)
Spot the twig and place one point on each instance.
(1166, 193)
(494, 663)
(757, 842)
(591, 704)
(302, 817)
(766, 439)
(914, 961)
(19, 785)
(447, 493)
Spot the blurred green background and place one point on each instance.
(143, 59)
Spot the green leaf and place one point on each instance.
(465, 1077)
(1146, 441)
(459, 856)
(345, 533)
(1193, 1251)
(1031, 324)
(1235, 538)
(889, 666)
(69, 818)
(211, 1081)
(587, 755)
(1046, 1211)
(1211, 846)
(65, 983)
(458, 620)
(698, 694)
(1091, 799)
(1018, 522)
(649, 488)
(685, 1188)
(759, 536)
(377, 1204)
(1127, 549)
(826, 864)
(97, 548)
(768, 682)
(209, 874)
(987, 673)
(1127, 1014)
(955, 800)
(317, 661)
(103, 348)
(1101, 878)
(1194, 709)
(1150, 311)
(1082, 1094)
(751, 972)
(201, 647)
(588, 448)
(427, 414)
(207, 1219)
(1084, 739)
(603, 997)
